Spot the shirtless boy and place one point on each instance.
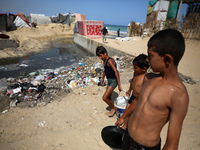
(140, 66)
(163, 97)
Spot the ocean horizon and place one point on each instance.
(110, 27)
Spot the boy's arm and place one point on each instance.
(102, 80)
(126, 113)
(112, 65)
(130, 86)
(179, 106)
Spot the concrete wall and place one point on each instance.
(91, 45)
(6, 43)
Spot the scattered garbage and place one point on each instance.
(125, 39)
(40, 87)
(42, 124)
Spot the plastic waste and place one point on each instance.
(72, 84)
(82, 64)
(39, 77)
(17, 90)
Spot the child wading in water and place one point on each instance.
(163, 97)
(112, 75)
(140, 66)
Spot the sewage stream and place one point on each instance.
(61, 54)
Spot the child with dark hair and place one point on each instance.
(163, 97)
(112, 75)
(140, 66)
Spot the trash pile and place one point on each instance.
(41, 87)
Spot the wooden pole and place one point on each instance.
(179, 11)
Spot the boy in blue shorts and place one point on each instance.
(112, 75)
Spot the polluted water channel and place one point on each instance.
(62, 54)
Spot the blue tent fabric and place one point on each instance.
(152, 2)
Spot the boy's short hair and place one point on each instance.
(100, 50)
(141, 61)
(168, 41)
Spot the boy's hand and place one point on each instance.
(120, 88)
(128, 93)
(102, 81)
(119, 122)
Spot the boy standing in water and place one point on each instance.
(140, 66)
(112, 75)
(163, 97)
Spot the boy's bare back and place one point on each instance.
(157, 98)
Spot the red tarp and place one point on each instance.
(91, 29)
(80, 17)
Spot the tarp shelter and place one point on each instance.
(90, 29)
(162, 10)
(21, 21)
(66, 18)
(6, 20)
(76, 29)
(3, 22)
(157, 11)
(80, 17)
(173, 9)
(40, 19)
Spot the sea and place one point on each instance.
(57, 56)
(110, 27)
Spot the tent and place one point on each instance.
(9, 21)
(3, 22)
(90, 29)
(66, 18)
(6, 20)
(40, 19)
(21, 21)
(80, 17)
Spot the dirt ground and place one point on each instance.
(34, 40)
(76, 120)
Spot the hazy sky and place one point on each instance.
(116, 12)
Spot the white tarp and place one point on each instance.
(20, 23)
(161, 5)
(162, 16)
(40, 19)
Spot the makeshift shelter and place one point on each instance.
(66, 18)
(162, 14)
(157, 12)
(80, 17)
(3, 22)
(40, 19)
(21, 21)
(160, 11)
(6, 20)
(90, 29)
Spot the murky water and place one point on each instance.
(63, 53)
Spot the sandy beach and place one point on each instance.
(74, 122)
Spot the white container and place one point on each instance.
(120, 104)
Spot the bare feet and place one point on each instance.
(111, 113)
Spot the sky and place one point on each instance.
(114, 12)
